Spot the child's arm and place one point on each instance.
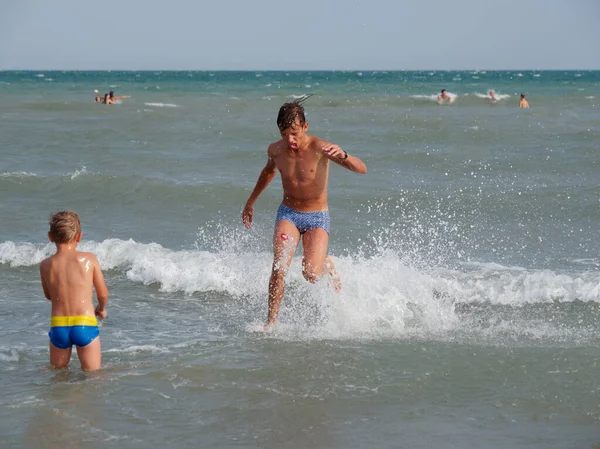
(44, 287)
(101, 290)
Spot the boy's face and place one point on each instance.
(294, 135)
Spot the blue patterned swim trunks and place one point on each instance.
(304, 221)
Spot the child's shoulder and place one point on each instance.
(87, 256)
(46, 261)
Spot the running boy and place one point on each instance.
(303, 162)
(67, 279)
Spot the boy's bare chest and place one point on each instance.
(299, 167)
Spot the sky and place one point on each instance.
(299, 35)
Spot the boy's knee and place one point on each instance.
(310, 275)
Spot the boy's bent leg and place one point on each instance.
(90, 355)
(285, 241)
(316, 261)
(315, 243)
(59, 358)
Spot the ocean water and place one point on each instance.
(470, 256)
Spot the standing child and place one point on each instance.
(67, 280)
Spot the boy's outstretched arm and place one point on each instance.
(341, 157)
(101, 289)
(264, 179)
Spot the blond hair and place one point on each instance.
(64, 226)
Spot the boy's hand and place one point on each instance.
(333, 151)
(247, 215)
(100, 312)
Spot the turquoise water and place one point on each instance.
(470, 257)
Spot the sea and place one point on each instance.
(469, 254)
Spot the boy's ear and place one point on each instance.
(50, 237)
(305, 126)
(78, 237)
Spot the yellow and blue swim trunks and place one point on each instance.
(66, 331)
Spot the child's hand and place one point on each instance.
(100, 312)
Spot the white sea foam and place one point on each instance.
(139, 348)
(162, 105)
(383, 296)
(434, 98)
(20, 174)
(497, 96)
(9, 355)
(381, 281)
(77, 173)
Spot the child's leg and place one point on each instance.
(316, 261)
(329, 267)
(90, 355)
(59, 358)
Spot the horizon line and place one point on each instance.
(298, 70)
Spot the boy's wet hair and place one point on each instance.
(64, 226)
(289, 112)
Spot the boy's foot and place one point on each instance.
(335, 276)
(269, 325)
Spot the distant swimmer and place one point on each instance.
(107, 99)
(443, 96)
(98, 99)
(523, 103)
(113, 98)
(492, 95)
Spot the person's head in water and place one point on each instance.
(522, 96)
(443, 93)
(98, 99)
(292, 124)
(106, 98)
(111, 94)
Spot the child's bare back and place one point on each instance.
(68, 278)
